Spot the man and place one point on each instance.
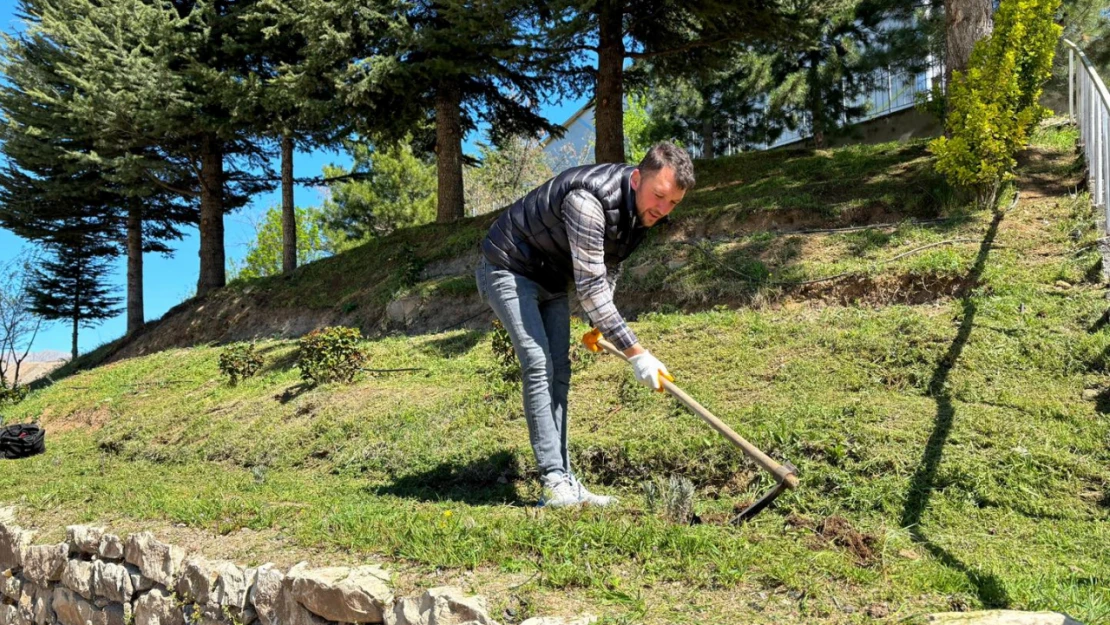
(577, 226)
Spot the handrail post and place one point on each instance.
(1071, 84)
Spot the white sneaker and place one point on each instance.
(560, 491)
(594, 500)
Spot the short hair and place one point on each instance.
(667, 154)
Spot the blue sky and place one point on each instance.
(168, 281)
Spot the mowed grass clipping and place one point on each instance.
(952, 454)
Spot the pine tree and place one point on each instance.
(616, 30)
(70, 286)
(43, 188)
(398, 190)
(155, 87)
(294, 101)
(965, 22)
(433, 70)
(716, 99)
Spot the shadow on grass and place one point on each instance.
(277, 363)
(486, 481)
(293, 392)
(453, 345)
(990, 589)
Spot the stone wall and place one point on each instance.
(98, 578)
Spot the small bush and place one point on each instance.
(993, 106)
(502, 347)
(10, 396)
(239, 361)
(331, 354)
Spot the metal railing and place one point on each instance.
(1089, 106)
(890, 92)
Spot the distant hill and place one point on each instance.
(38, 364)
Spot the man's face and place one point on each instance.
(656, 194)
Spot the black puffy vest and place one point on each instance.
(530, 237)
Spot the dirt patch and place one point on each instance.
(1048, 173)
(86, 420)
(882, 290)
(838, 531)
(741, 223)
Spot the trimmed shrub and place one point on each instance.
(331, 355)
(993, 106)
(239, 361)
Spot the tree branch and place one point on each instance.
(318, 180)
(693, 45)
(168, 187)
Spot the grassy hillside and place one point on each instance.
(944, 403)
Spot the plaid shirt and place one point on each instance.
(594, 282)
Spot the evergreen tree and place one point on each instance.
(397, 189)
(155, 87)
(43, 188)
(717, 100)
(817, 82)
(70, 286)
(433, 70)
(471, 61)
(616, 30)
(294, 101)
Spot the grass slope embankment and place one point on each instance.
(953, 454)
(750, 210)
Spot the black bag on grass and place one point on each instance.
(21, 440)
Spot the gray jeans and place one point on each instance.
(538, 323)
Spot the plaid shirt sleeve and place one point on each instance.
(585, 223)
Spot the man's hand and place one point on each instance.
(590, 340)
(649, 371)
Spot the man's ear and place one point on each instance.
(635, 180)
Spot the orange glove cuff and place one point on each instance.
(590, 340)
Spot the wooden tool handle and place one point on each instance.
(784, 474)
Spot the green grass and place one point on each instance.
(954, 436)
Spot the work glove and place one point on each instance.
(590, 340)
(649, 371)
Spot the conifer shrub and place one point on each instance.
(994, 104)
(331, 355)
(239, 361)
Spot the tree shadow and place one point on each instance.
(282, 362)
(990, 589)
(452, 345)
(1100, 323)
(293, 392)
(482, 482)
(1102, 401)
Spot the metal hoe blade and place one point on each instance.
(786, 473)
(766, 499)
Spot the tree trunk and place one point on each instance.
(449, 154)
(707, 148)
(73, 348)
(609, 93)
(76, 317)
(135, 316)
(212, 274)
(965, 22)
(288, 213)
(816, 101)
